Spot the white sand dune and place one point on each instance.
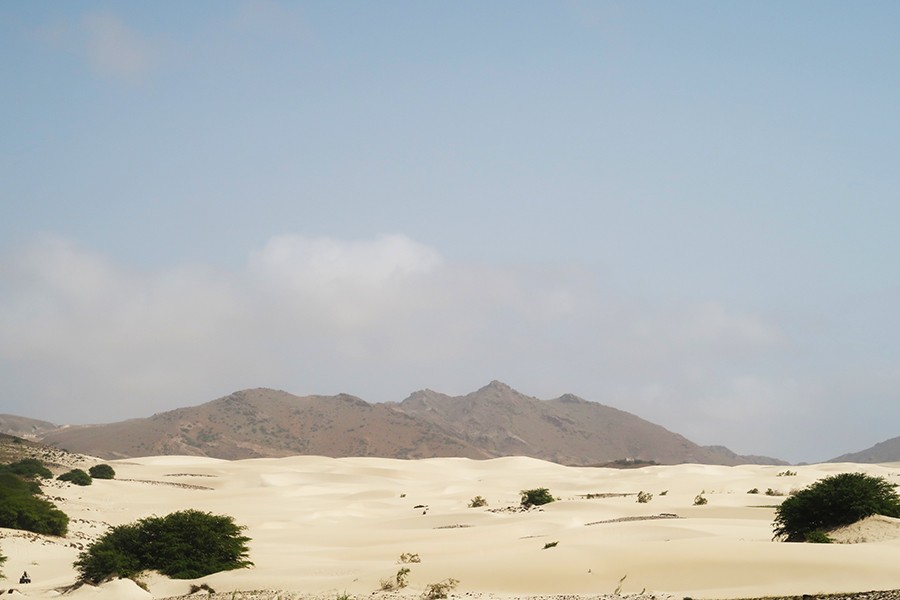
(323, 526)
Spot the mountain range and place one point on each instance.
(882, 452)
(493, 421)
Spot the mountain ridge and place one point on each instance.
(882, 452)
(493, 421)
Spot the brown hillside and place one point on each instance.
(264, 423)
(491, 422)
(567, 430)
(882, 452)
(24, 427)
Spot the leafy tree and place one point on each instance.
(102, 471)
(833, 502)
(27, 467)
(181, 545)
(536, 497)
(20, 508)
(76, 476)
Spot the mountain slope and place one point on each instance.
(882, 452)
(263, 422)
(24, 427)
(493, 421)
(567, 430)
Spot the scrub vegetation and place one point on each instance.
(808, 514)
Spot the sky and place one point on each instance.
(685, 210)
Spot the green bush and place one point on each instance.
(27, 467)
(102, 472)
(181, 545)
(817, 537)
(833, 502)
(20, 508)
(536, 497)
(76, 476)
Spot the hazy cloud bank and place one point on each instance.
(85, 339)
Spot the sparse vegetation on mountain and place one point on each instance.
(833, 502)
(76, 476)
(102, 471)
(181, 545)
(536, 497)
(20, 508)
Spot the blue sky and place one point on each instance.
(686, 210)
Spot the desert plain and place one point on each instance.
(329, 527)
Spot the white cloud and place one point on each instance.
(83, 338)
(116, 50)
(310, 264)
(105, 42)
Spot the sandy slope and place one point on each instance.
(325, 526)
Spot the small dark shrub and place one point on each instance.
(644, 497)
(76, 476)
(833, 502)
(387, 585)
(536, 497)
(435, 591)
(477, 502)
(700, 500)
(817, 537)
(753, 491)
(550, 545)
(771, 492)
(410, 557)
(102, 472)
